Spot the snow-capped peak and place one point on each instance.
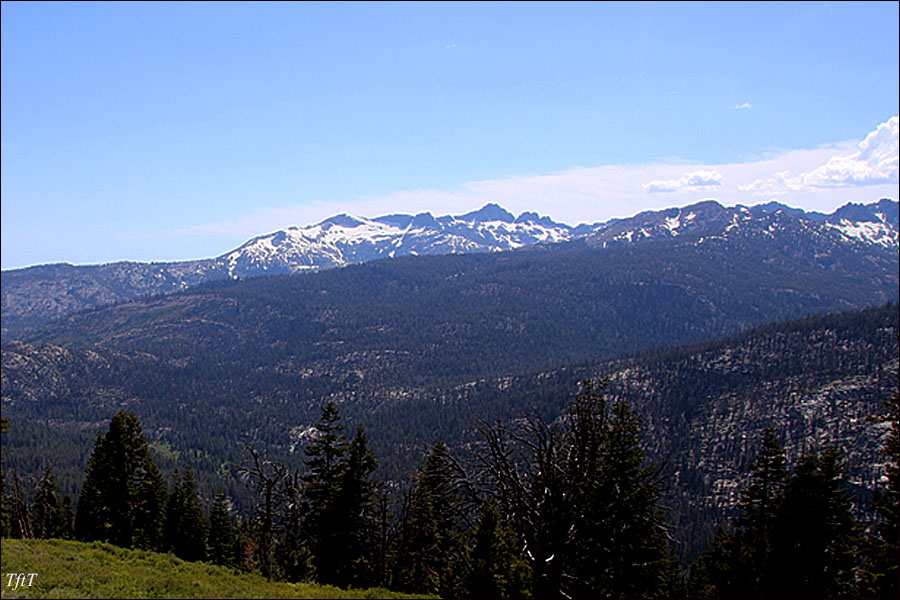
(346, 239)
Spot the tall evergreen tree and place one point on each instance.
(430, 546)
(738, 561)
(92, 517)
(149, 506)
(621, 549)
(754, 528)
(496, 569)
(68, 518)
(714, 574)
(221, 539)
(185, 525)
(48, 518)
(120, 472)
(355, 509)
(815, 537)
(326, 456)
(417, 547)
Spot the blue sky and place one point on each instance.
(166, 131)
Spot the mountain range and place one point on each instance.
(33, 296)
(453, 332)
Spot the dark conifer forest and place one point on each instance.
(569, 507)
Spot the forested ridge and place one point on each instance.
(703, 407)
(562, 508)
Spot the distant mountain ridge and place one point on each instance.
(345, 239)
(873, 224)
(34, 296)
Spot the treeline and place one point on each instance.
(563, 508)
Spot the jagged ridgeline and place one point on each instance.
(34, 296)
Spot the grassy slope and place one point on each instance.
(78, 570)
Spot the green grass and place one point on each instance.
(67, 569)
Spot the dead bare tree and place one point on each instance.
(18, 510)
(272, 498)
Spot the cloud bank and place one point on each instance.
(820, 179)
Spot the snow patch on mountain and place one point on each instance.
(879, 234)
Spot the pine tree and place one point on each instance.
(121, 473)
(185, 525)
(221, 539)
(355, 509)
(47, 516)
(92, 517)
(413, 570)
(621, 548)
(815, 537)
(759, 504)
(430, 544)
(124, 445)
(496, 569)
(713, 574)
(326, 456)
(149, 506)
(68, 518)
(737, 562)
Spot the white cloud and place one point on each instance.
(741, 106)
(695, 180)
(874, 162)
(776, 185)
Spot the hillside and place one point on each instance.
(68, 569)
(254, 360)
(817, 380)
(33, 296)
